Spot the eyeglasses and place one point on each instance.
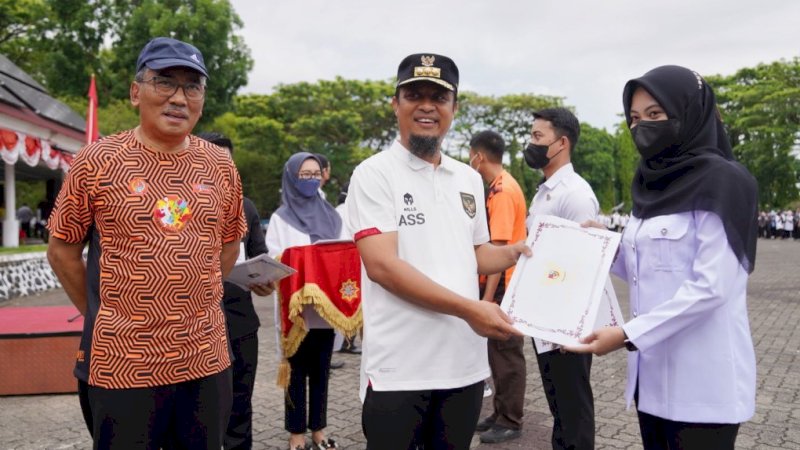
(167, 87)
(306, 175)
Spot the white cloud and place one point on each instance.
(584, 50)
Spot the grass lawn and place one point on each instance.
(23, 249)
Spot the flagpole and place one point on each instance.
(91, 114)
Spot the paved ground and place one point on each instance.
(54, 421)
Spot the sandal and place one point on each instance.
(329, 445)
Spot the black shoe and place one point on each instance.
(337, 364)
(485, 424)
(499, 434)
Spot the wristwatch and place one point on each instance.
(630, 346)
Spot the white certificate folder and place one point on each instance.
(555, 294)
(260, 269)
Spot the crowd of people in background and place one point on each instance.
(773, 224)
(779, 224)
(615, 221)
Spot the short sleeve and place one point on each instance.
(369, 206)
(235, 225)
(73, 213)
(501, 216)
(580, 205)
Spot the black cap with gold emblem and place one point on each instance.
(428, 67)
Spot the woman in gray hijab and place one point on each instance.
(303, 218)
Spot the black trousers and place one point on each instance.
(664, 434)
(565, 379)
(239, 435)
(429, 420)
(86, 408)
(188, 415)
(312, 362)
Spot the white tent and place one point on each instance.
(39, 135)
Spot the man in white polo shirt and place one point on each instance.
(419, 221)
(565, 194)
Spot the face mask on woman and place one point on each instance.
(652, 137)
(308, 188)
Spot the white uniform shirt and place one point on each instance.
(567, 195)
(439, 216)
(342, 210)
(689, 320)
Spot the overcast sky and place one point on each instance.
(584, 50)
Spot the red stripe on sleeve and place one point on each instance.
(364, 233)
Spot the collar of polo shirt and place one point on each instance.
(417, 164)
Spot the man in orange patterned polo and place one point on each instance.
(163, 212)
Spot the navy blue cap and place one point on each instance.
(163, 52)
(428, 67)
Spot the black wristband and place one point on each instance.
(628, 344)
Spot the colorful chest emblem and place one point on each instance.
(172, 213)
(349, 290)
(137, 186)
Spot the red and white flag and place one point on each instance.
(92, 134)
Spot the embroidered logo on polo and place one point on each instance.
(137, 186)
(172, 213)
(468, 202)
(410, 215)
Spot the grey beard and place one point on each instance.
(423, 146)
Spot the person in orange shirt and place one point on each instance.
(162, 210)
(506, 211)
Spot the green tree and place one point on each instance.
(115, 116)
(511, 116)
(593, 159)
(261, 147)
(60, 43)
(72, 38)
(345, 120)
(210, 25)
(19, 34)
(626, 158)
(760, 107)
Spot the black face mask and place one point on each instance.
(536, 155)
(652, 137)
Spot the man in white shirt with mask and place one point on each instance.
(565, 194)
